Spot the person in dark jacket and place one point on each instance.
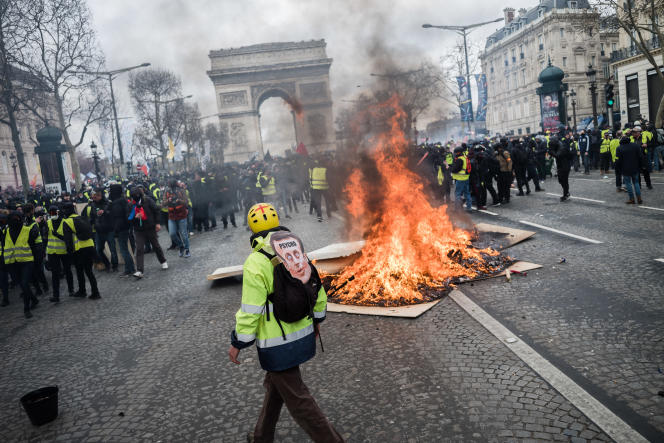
(102, 220)
(81, 248)
(584, 151)
(144, 216)
(38, 277)
(119, 209)
(487, 168)
(561, 152)
(520, 159)
(629, 161)
(200, 201)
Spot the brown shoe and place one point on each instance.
(639, 200)
(630, 202)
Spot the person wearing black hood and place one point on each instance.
(38, 277)
(561, 152)
(77, 234)
(144, 216)
(58, 259)
(119, 209)
(18, 244)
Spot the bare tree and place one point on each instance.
(62, 40)
(453, 66)
(193, 131)
(218, 139)
(156, 97)
(642, 22)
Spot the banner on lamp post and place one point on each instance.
(482, 97)
(465, 101)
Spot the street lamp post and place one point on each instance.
(111, 75)
(573, 95)
(464, 31)
(12, 157)
(592, 77)
(95, 158)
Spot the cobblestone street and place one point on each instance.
(148, 362)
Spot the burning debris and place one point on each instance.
(413, 253)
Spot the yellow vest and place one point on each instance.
(613, 147)
(19, 252)
(604, 148)
(318, 178)
(78, 244)
(462, 175)
(441, 176)
(54, 245)
(269, 189)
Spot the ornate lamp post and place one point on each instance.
(573, 95)
(12, 157)
(95, 157)
(592, 78)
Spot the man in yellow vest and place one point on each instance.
(284, 341)
(58, 260)
(319, 189)
(461, 176)
(613, 148)
(18, 244)
(77, 235)
(605, 153)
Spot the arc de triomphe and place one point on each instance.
(298, 72)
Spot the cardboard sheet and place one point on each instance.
(510, 237)
(411, 311)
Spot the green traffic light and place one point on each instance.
(609, 103)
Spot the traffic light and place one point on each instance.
(608, 93)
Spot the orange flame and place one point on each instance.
(411, 247)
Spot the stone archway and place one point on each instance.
(298, 72)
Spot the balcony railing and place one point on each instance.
(633, 50)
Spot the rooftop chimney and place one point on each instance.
(522, 12)
(509, 15)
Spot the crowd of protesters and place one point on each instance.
(101, 222)
(479, 168)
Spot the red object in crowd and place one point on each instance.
(301, 149)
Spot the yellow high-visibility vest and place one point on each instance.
(318, 178)
(605, 147)
(269, 189)
(19, 252)
(441, 176)
(54, 245)
(78, 244)
(462, 175)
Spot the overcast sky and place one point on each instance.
(179, 34)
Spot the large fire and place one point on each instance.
(413, 251)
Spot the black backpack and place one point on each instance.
(83, 228)
(292, 300)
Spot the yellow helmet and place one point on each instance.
(262, 216)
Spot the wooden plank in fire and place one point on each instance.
(513, 236)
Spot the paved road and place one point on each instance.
(148, 361)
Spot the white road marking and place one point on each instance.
(609, 422)
(484, 210)
(651, 208)
(337, 216)
(578, 198)
(603, 180)
(578, 237)
(660, 260)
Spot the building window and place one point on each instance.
(521, 54)
(572, 5)
(601, 48)
(592, 60)
(614, 47)
(513, 55)
(564, 62)
(523, 77)
(514, 81)
(562, 33)
(540, 41)
(520, 132)
(632, 92)
(527, 129)
(540, 13)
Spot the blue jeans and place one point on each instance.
(100, 241)
(179, 233)
(462, 187)
(628, 180)
(123, 244)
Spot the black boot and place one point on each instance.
(5, 302)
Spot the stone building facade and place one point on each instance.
(298, 72)
(11, 176)
(566, 32)
(638, 87)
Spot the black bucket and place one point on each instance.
(41, 405)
